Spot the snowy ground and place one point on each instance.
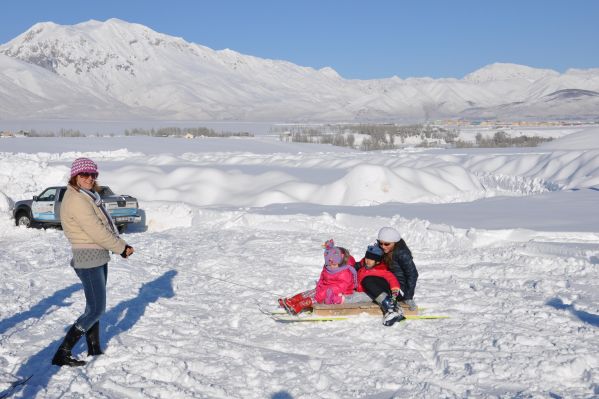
(506, 243)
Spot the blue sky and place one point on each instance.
(359, 39)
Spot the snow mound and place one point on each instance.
(557, 170)
(583, 140)
(22, 177)
(359, 185)
(5, 203)
(160, 216)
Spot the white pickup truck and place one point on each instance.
(44, 209)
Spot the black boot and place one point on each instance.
(92, 337)
(391, 312)
(63, 356)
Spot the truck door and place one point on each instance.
(42, 207)
(61, 192)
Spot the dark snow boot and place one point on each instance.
(63, 356)
(391, 312)
(92, 337)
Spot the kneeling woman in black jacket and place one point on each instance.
(399, 259)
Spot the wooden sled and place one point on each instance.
(348, 309)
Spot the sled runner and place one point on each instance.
(310, 317)
(350, 309)
(322, 312)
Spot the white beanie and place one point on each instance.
(389, 234)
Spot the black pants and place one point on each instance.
(375, 286)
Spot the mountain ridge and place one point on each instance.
(157, 76)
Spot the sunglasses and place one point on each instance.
(385, 244)
(86, 175)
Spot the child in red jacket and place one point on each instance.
(338, 279)
(375, 279)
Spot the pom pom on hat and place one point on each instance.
(374, 252)
(332, 254)
(83, 165)
(389, 234)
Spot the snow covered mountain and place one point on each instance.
(121, 70)
(28, 91)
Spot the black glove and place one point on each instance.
(124, 253)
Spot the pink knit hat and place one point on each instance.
(332, 254)
(83, 165)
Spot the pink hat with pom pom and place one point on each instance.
(332, 254)
(83, 165)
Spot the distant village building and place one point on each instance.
(8, 134)
(22, 133)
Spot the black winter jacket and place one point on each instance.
(403, 267)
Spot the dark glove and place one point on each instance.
(124, 253)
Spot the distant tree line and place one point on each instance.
(502, 139)
(392, 136)
(60, 133)
(180, 132)
(379, 136)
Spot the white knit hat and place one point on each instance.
(389, 234)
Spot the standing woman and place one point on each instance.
(92, 234)
(399, 259)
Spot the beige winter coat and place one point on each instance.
(85, 225)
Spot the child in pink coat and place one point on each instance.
(337, 280)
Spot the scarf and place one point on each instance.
(98, 202)
(343, 268)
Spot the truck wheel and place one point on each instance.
(23, 220)
(121, 228)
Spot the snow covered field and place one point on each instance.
(506, 242)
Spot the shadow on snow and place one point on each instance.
(41, 308)
(586, 317)
(118, 319)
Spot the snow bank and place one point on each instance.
(560, 169)
(5, 203)
(21, 177)
(583, 140)
(247, 179)
(360, 185)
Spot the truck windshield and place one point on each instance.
(105, 191)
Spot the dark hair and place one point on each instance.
(73, 182)
(399, 245)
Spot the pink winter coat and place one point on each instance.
(330, 285)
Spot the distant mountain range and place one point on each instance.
(116, 70)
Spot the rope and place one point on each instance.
(144, 259)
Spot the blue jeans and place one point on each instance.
(94, 287)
